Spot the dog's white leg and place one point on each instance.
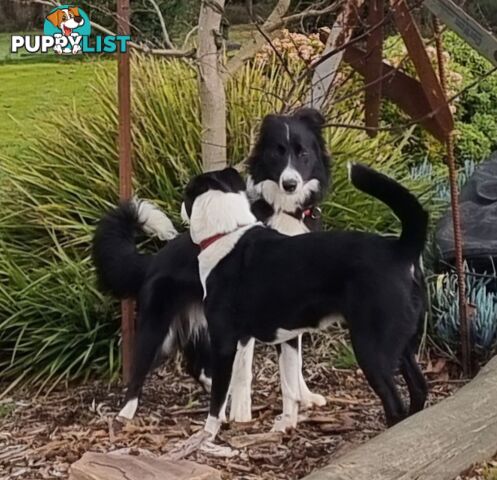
(129, 410)
(290, 388)
(307, 398)
(241, 383)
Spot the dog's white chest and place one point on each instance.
(287, 225)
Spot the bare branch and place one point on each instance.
(188, 35)
(165, 34)
(250, 48)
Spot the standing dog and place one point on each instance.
(288, 176)
(259, 283)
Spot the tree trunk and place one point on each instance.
(436, 444)
(212, 94)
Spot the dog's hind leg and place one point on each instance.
(241, 382)
(223, 355)
(156, 315)
(307, 398)
(378, 365)
(290, 386)
(416, 382)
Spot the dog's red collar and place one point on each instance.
(207, 242)
(210, 240)
(302, 214)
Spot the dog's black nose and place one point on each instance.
(289, 185)
(78, 19)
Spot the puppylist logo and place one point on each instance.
(67, 30)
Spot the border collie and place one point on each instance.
(288, 176)
(261, 284)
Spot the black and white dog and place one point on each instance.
(259, 283)
(288, 176)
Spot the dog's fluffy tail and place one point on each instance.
(121, 269)
(403, 203)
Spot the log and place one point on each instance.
(100, 466)
(436, 444)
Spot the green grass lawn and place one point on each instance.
(30, 89)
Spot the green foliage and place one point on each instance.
(343, 356)
(55, 325)
(444, 293)
(475, 109)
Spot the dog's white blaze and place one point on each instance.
(154, 221)
(290, 366)
(129, 409)
(241, 381)
(270, 191)
(287, 128)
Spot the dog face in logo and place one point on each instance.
(67, 19)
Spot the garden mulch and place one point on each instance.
(40, 437)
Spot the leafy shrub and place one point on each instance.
(445, 305)
(474, 110)
(55, 325)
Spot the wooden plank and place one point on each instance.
(403, 90)
(466, 27)
(374, 65)
(436, 444)
(100, 466)
(417, 52)
(125, 173)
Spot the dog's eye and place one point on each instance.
(64, 18)
(281, 149)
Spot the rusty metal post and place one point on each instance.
(125, 173)
(374, 66)
(464, 327)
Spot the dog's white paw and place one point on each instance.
(76, 49)
(57, 49)
(311, 400)
(284, 423)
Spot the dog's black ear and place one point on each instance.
(233, 178)
(269, 121)
(311, 117)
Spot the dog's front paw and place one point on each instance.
(284, 423)
(57, 49)
(76, 49)
(311, 400)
